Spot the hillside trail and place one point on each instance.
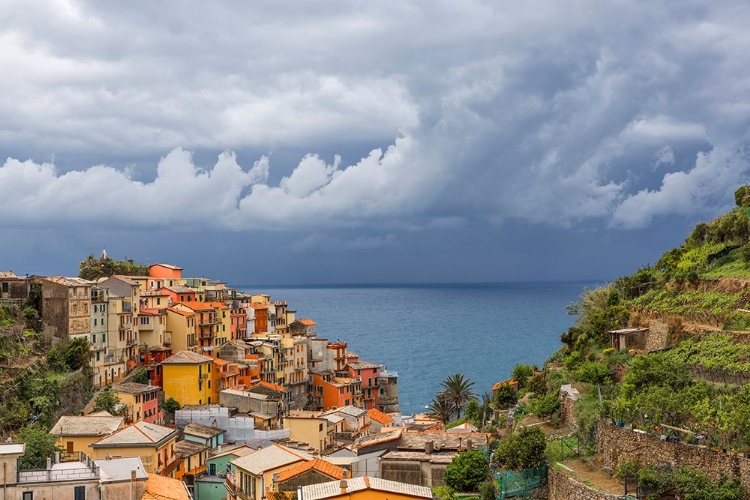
(90, 405)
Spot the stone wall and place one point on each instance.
(658, 335)
(560, 486)
(616, 445)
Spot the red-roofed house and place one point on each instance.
(313, 472)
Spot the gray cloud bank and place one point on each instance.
(555, 114)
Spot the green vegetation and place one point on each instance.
(458, 390)
(522, 450)
(467, 471)
(40, 445)
(92, 268)
(141, 376)
(107, 401)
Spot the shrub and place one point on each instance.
(467, 471)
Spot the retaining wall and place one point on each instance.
(616, 445)
(561, 486)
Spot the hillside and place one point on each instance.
(665, 350)
(38, 382)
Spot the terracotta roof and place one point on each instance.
(327, 468)
(498, 385)
(268, 385)
(139, 434)
(87, 425)
(145, 311)
(380, 417)
(258, 305)
(308, 322)
(164, 488)
(218, 305)
(197, 306)
(125, 279)
(333, 488)
(220, 362)
(180, 312)
(186, 358)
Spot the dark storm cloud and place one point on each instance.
(554, 114)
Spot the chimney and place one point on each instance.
(428, 447)
(343, 482)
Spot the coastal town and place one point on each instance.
(215, 394)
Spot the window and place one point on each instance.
(158, 301)
(80, 493)
(320, 427)
(95, 308)
(104, 336)
(27, 495)
(5, 290)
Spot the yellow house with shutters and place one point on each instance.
(155, 444)
(76, 433)
(187, 378)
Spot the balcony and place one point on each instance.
(207, 335)
(167, 342)
(98, 346)
(209, 322)
(132, 342)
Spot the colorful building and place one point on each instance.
(187, 378)
(76, 433)
(254, 477)
(141, 402)
(365, 488)
(153, 443)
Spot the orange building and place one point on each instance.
(334, 392)
(261, 317)
(238, 323)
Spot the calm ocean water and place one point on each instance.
(427, 332)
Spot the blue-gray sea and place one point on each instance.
(427, 332)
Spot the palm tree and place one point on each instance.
(441, 408)
(459, 390)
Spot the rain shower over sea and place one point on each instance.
(427, 332)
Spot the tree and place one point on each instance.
(523, 450)
(106, 401)
(522, 373)
(505, 396)
(467, 471)
(459, 390)
(441, 408)
(40, 445)
(77, 353)
(141, 376)
(170, 406)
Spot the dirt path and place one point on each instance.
(592, 476)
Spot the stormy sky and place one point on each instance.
(273, 142)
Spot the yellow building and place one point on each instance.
(254, 476)
(187, 378)
(153, 443)
(76, 433)
(140, 400)
(181, 330)
(223, 333)
(192, 457)
(310, 427)
(365, 488)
